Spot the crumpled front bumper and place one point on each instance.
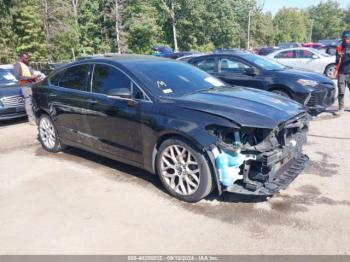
(271, 169)
(280, 181)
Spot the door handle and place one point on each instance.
(52, 95)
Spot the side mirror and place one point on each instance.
(315, 56)
(251, 71)
(120, 92)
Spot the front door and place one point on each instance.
(288, 58)
(235, 72)
(115, 121)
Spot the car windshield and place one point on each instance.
(265, 63)
(173, 79)
(7, 76)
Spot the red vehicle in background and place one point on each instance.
(313, 45)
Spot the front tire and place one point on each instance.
(329, 71)
(183, 170)
(48, 135)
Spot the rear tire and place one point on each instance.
(183, 170)
(48, 135)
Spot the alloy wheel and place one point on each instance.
(47, 133)
(330, 71)
(180, 170)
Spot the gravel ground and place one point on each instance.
(79, 203)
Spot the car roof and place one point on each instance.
(239, 54)
(122, 58)
(9, 66)
(189, 56)
(291, 49)
(119, 59)
(295, 48)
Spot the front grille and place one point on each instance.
(316, 99)
(12, 101)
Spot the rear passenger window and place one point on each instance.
(286, 54)
(75, 77)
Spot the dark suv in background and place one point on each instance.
(313, 90)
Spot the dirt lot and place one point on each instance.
(79, 203)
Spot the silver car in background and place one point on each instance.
(307, 59)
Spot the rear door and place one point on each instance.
(69, 102)
(115, 122)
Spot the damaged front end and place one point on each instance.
(258, 161)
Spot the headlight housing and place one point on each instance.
(307, 82)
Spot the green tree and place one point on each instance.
(90, 28)
(291, 25)
(347, 17)
(328, 20)
(140, 23)
(28, 26)
(262, 30)
(7, 39)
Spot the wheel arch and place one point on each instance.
(282, 88)
(192, 142)
(38, 113)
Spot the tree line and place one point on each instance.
(56, 30)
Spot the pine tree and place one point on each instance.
(7, 39)
(28, 26)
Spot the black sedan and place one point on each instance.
(176, 121)
(244, 69)
(11, 98)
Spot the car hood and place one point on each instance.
(298, 74)
(10, 90)
(244, 106)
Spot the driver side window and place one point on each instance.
(304, 54)
(106, 78)
(207, 64)
(229, 65)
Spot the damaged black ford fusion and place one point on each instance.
(175, 120)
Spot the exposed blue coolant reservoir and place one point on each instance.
(228, 163)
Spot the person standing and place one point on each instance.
(26, 76)
(343, 68)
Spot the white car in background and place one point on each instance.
(306, 58)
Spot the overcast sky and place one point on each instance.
(274, 5)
